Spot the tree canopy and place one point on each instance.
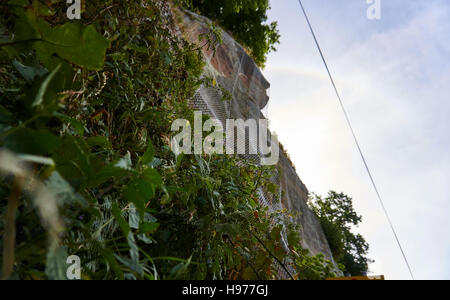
(337, 217)
(246, 20)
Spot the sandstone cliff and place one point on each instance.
(236, 72)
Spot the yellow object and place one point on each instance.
(359, 278)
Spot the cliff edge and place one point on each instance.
(237, 74)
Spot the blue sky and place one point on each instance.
(394, 76)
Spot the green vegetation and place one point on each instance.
(247, 22)
(337, 217)
(87, 106)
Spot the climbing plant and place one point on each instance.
(86, 108)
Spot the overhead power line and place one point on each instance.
(357, 142)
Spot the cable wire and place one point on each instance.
(357, 142)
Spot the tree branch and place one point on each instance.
(273, 255)
(18, 42)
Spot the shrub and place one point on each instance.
(337, 217)
(87, 105)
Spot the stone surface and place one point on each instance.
(237, 73)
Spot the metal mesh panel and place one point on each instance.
(246, 95)
(237, 74)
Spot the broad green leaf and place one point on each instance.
(81, 45)
(30, 141)
(148, 155)
(229, 229)
(148, 228)
(74, 161)
(106, 173)
(28, 27)
(152, 176)
(139, 192)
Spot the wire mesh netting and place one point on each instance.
(240, 92)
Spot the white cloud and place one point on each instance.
(394, 83)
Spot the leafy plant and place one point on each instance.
(85, 114)
(246, 20)
(337, 217)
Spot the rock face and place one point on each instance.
(294, 198)
(236, 73)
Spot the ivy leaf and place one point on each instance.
(74, 42)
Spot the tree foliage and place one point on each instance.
(337, 217)
(85, 114)
(246, 20)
